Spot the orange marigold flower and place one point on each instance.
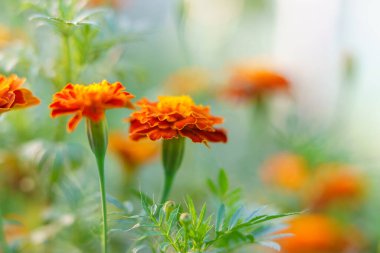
(132, 153)
(335, 183)
(174, 116)
(89, 101)
(285, 170)
(247, 83)
(12, 96)
(313, 233)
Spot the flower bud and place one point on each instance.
(168, 207)
(185, 219)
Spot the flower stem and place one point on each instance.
(169, 178)
(100, 163)
(3, 242)
(98, 140)
(66, 41)
(172, 156)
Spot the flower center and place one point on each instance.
(181, 104)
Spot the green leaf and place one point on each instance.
(212, 186)
(201, 216)
(191, 207)
(164, 246)
(145, 204)
(223, 182)
(270, 244)
(235, 218)
(172, 217)
(255, 213)
(115, 202)
(220, 218)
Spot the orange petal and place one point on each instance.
(73, 122)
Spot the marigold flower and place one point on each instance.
(285, 170)
(173, 117)
(249, 83)
(12, 96)
(89, 101)
(335, 183)
(313, 233)
(132, 153)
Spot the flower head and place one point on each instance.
(89, 101)
(336, 184)
(132, 153)
(286, 170)
(249, 83)
(175, 116)
(313, 233)
(12, 96)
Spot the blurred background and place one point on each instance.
(295, 80)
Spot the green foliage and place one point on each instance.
(184, 229)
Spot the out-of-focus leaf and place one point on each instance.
(223, 181)
(220, 218)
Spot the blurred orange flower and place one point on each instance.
(132, 153)
(188, 81)
(335, 183)
(112, 3)
(250, 83)
(285, 170)
(313, 233)
(14, 232)
(174, 116)
(89, 101)
(12, 96)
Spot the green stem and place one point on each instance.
(66, 40)
(98, 140)
(100, 163)
(169, 178)
(172, 156)
(3, 242)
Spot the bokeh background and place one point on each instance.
(312, 146)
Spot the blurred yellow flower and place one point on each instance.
(132, 153)
(286, 171)
(188, 81)
(5, 36)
